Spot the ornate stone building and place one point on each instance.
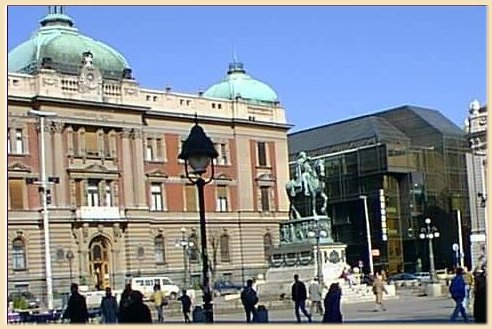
(476, 128)
(118, 196)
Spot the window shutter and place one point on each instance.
(16, 190)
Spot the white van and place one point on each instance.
(145, 284)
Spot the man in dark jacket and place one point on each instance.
(185, 306)
(125, 299)
(299, 296)
(458, 293)
(249, 299)
(76, 309)
(137, 311)
(480, 301)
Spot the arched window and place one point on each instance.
(225, 255)
(18, 254)
(267, 246)
(160, 249)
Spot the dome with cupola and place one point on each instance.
(239, 84)
(58, 45)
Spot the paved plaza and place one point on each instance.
(407, 309)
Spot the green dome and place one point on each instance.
(238, 83)
(59, 45)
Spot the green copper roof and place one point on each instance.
(238, 83)
(61, 44)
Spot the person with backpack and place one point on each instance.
(458, 293)
(249, 299)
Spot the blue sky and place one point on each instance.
(326, 63)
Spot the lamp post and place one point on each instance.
(70, 257)
(368, 229)
(44, 195)
(198, 152)
(186, 244)
(318, 233)
(430, 233)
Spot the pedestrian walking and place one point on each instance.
(185, 305)
(480, 300)
(379, 289)
(315, 297)
(299, 295)
(249, 299)
(469, 282)
(136, 311)
(333, 313)
(458, 293)
(76, 309)
(125, 299)
(109, 308)
(160, 301)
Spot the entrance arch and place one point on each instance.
(100, 262)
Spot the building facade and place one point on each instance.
(476, 128)
(117, 195)
(410, 164)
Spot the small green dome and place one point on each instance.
(59, 45)
(238, 83)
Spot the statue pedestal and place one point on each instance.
(301, 258)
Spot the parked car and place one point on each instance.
(423, 276)
(403, 279)
(222, 288)
(32, 301)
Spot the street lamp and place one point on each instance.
(198, 152)
(44, 194)
(186, 244)
(368, 230)
(70, 257)
(318, 233)
(430, 233)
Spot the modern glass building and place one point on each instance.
(410, 163)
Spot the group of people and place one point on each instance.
(130, 309)
(465, 285)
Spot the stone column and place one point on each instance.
(127, 169)
(59, 165)
(138, 170)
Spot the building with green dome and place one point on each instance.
(119, 200)
(239, 85)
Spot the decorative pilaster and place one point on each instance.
(138, 169)
(59, 164)
(127, 168)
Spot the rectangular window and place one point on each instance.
(109, 195)
(221, 199)
(19, 141)
(158, 149)
(156, 197)
(191, 198)
(262, 158)
(149, 151)
(16, 191)
(222, 150)
(9, 142)
(93, 193)
(91, 143)
(265, 198)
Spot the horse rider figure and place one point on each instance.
(304, 172)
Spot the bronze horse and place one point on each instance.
(316, 188)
